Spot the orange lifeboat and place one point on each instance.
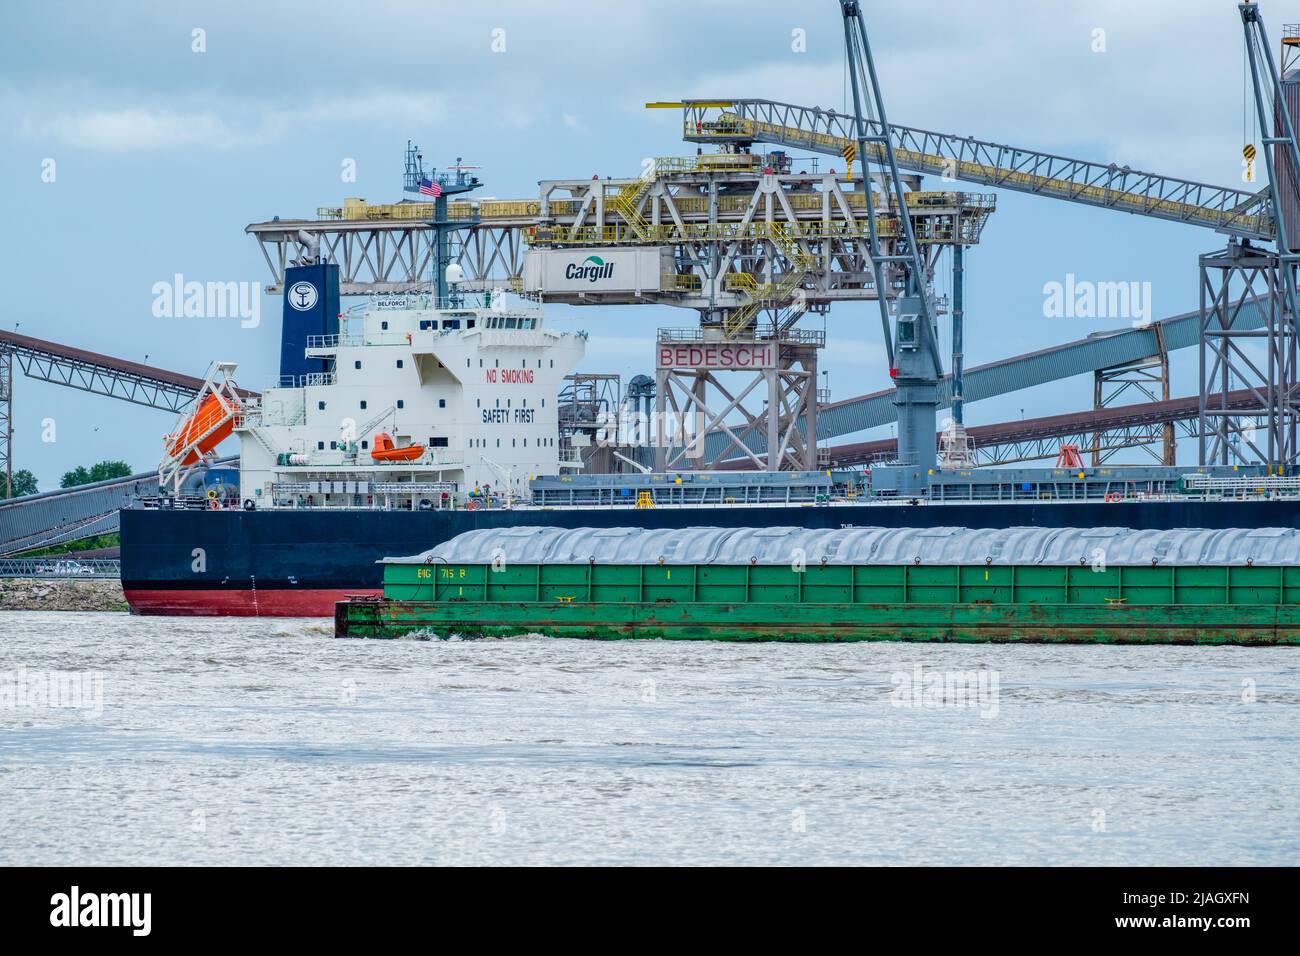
(208, 427)
(218, 409)
(386, 450)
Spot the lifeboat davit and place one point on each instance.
(386, 450)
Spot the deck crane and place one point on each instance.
(363, 433)
(912, 343)
(383, 449)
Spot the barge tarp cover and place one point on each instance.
(863, 546)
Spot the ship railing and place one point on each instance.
(332, 341)
(310, 379)
(491, 299)
(413, 487)
(766, 332)
(279, 489)
(1242, 483)
(362, 462)
(173, 503)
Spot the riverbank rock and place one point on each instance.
(61, 594)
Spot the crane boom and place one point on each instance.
(1233, 211)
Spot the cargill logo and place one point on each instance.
(590, 268)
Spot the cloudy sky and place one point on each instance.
(162, 154)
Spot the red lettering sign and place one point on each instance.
(717, 355)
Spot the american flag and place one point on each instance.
(429, 188)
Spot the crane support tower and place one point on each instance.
(912, 345)
(1243, 271)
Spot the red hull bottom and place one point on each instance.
(213, 603)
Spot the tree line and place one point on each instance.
(24, 482)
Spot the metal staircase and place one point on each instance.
(627, 201)
(769, 294)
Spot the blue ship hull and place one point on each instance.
(292, 563)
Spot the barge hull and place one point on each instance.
(1250, 625)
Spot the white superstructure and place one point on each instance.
(468, 393)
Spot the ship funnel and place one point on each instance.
(310, 314)
(312, 244)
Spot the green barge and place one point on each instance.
(1030, 585)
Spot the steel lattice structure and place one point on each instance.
(736, 216)
(1108, 429)
(1106, 185)
(100, 374)
(1244, 271)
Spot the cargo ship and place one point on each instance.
(416, 419)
